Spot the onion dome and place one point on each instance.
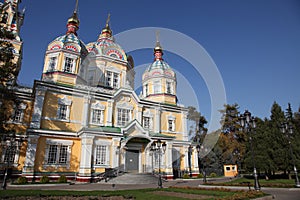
(159, 68)
(159, 80)
(106, 45)
(70, 40)
(73, 21)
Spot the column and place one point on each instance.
(86, 106)
(115, 152)
(139, 114)
(28, 169)
(109, 112)
(168, 154)
(157, 126)
(86, 156)
(184, 125)
(38, 107)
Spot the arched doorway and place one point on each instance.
(135, 155)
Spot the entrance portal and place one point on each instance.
(132, 160)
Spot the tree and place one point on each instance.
(8, 69)
(232, 138)
(276, 139)
(197, 130)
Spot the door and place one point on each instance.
(132, 160)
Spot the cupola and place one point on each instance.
(159, 80)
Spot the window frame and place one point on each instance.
(73, 64)
(66, 103)
(62, 153)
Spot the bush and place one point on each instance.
(22, 180)
(200, 176)
(62, 179)
(45, 179)
(186, 176)
(213, 174)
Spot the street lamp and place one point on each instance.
(158, 146)
(190, 152)
(287, 129)
(9, 143)
(198, 151)
(248, 124)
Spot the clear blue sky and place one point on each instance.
(255, 44)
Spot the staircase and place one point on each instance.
(133, 178)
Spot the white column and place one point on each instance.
(28, 168)
(86, 155)
(184, 126)
(139, 114)
(115, 152)
(38, 107)
(157, 126)
(109, 113)
(168, 153)
(86, 106)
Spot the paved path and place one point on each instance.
(277, 193)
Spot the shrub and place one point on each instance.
(62, 179)
(186, 176)
(200, 176)
(22, 180)
(213, 174)
(45, 179)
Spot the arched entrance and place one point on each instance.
(135, 155)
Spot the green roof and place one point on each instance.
(106, 129)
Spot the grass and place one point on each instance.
(145, 194)
(281, 183)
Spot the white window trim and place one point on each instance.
(67, 102)
(59, 143)
(146, 90)
(150, 116)
(124, 105)
(171, 118)
(113, 72)
(156, 83)
(97, 106)
(171, 87)
(67, 55)
(16, 158)
(107, 156)
(53, 55)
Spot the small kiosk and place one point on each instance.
(230, 170)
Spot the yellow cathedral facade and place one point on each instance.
(84, 117)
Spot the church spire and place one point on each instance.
(73, 21)
(158, 51)
(106, 31)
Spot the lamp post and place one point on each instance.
(287, 129)
(198, 152)
(190, 151)
(9, 143)
(248, 124)
(236, 153)
(158, 146)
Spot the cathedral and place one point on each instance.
(84, 117)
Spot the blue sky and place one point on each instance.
(255, 44)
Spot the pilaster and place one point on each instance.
(38, 107)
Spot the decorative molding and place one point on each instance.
(98, 106)
(64, 101)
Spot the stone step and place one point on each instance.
(133, 178)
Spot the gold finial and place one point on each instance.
(108, 19)
(157, 36)
(76, 7)
(157, 46)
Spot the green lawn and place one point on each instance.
(146, 194)
(287, 183)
